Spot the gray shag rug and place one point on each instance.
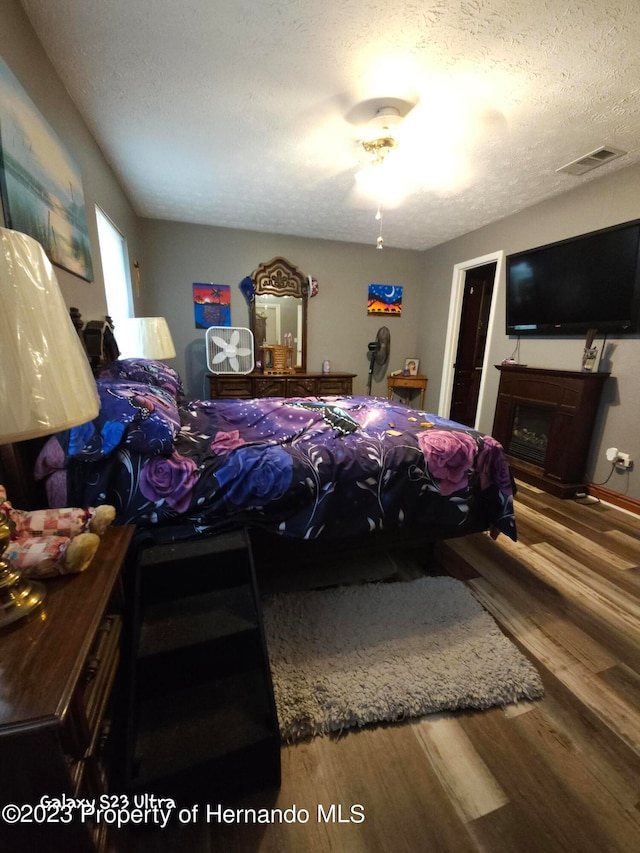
(368, 653)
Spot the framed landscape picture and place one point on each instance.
(40, 185)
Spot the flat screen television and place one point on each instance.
(569, 287)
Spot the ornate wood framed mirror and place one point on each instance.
(278, 310)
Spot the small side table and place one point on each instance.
(412, 383)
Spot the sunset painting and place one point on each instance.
(212, 305)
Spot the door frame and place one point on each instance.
(453, 330)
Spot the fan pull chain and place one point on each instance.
(379, 241)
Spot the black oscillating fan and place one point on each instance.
(378, 352)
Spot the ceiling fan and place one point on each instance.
(395, 147)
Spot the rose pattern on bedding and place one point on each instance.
(449, 457)
(282, 465)
(170, 479)
(492, 465)
(225, 442)
(255, 478)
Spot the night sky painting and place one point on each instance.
(212, 305)
(384, 299)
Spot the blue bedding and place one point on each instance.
(303, 468)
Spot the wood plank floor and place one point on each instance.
(562, 774)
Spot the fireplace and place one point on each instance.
(530, 433)
(544, 419)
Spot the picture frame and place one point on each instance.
(411, 366)
(40, 184)
(211, 304)
(384, 299)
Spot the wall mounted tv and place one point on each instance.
(569, 287)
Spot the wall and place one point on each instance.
(177, 255)
(595, 203)
(23, 53)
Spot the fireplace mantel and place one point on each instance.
(567, 401)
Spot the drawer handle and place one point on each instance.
(92, 666)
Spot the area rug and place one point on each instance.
(368, 653)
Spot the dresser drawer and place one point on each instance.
(406, 382)
(301, 387)
(269, 386)
(83, 725)
(333, 385)
(230, 387)
(100, 670)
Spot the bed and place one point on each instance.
(331, 469)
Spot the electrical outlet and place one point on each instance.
(623, 460)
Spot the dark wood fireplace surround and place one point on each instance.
(569, 399)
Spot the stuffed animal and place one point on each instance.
(49, 542)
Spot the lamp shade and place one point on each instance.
(144, 337)
(46, 384)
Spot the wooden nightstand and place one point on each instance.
(57, 673)
(407, 383)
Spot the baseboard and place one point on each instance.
(615, 498)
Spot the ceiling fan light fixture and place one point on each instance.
(381, 139)
(379, 148)
(379, 142)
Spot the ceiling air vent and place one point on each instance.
(602, 155)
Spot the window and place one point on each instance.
(115, 268)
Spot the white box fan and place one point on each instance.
(229, 349)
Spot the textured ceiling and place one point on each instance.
(243, 113)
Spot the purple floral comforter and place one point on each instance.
(305, 468)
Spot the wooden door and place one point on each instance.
(472, 339)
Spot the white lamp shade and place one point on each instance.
(144, 337)
(46, 384)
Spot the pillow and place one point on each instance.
(50, 459)
(50, 468)
(146, 371)
(144, 418)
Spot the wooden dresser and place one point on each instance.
(57, 674)
(290, 385)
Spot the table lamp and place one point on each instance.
(145, 337)
(46, 384)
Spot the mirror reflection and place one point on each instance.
(279, 320)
